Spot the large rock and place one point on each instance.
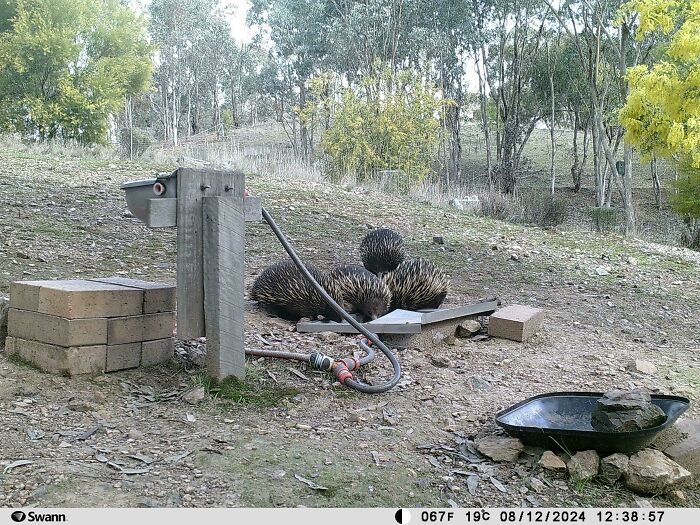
(550, 461)
(613, 467)
(626, 411)
(500, 448)
(642, 367)
(651, 472)
(685, 449)
(468, 328)
(584, 465)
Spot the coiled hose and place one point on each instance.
(341, 368)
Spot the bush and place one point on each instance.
(500, 207)
(135, 143)
(690, 237)
(604, 219)
(390, 122)
(542, 209)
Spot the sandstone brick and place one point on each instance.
(76, 299)
(25, 295)
(72, 360)
(157, 297)
(121, 357)
(57, 330)
(138, 328)
(156, 352)
(516, 322)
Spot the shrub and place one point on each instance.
(542, 209)
(690, 237)
(500, 207)
(391, 122)
(604, 219)
(135, 143)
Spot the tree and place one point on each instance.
(67, 65)
(662, 112)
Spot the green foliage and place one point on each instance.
(66, 65)
(604, 219)
(662, 112)
(542, 209)
(389, 122)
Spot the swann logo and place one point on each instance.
(20, 516)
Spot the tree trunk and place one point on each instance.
(575, 166)
(552, 171)
(655, 181)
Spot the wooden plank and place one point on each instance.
(190, 276)
(162, 212)
(224, 267)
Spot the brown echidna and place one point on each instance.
(382, 250)
(416, 284)
(363, 292)
(284, 291)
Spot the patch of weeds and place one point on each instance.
(15, 359)
(343, 392)
(250, 391)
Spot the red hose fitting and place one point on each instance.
(340, 369)
(351, 363)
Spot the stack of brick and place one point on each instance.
(87, 326)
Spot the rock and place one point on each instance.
(440, 361)
(641, 366)
(514, 257)
(584, 465)
(4, 307)
(626, 411)
(500, 448)
(678, 497)
(450, 340)
(479, 383)
(550, 461)
(439, 338)
(195, 395)
(685, 449)
(537, 485)
(468, 328)
(602, 270)
(438, 239)
(613, 467)
(135, 434)
(651, 472)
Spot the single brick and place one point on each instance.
(57, 330)
(137, 328)
(121, 357)
(25, 295)
(515, 322)
(157, 297)
(72, 360)
(157, 352)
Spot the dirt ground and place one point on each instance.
(130, 439)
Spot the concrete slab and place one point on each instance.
(404, 321)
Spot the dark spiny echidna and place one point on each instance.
(382, 250)
(363, 292)
(283, 290)
(416, 284)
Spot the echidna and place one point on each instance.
(416, 284)
(363, 292)
(382, 250)
(283, 290)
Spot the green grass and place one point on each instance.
(250, 391)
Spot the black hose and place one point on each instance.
(356, 385)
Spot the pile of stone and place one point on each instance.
(86, 326)
(649, 471)
(626, 411)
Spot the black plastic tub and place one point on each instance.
(562, 420)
